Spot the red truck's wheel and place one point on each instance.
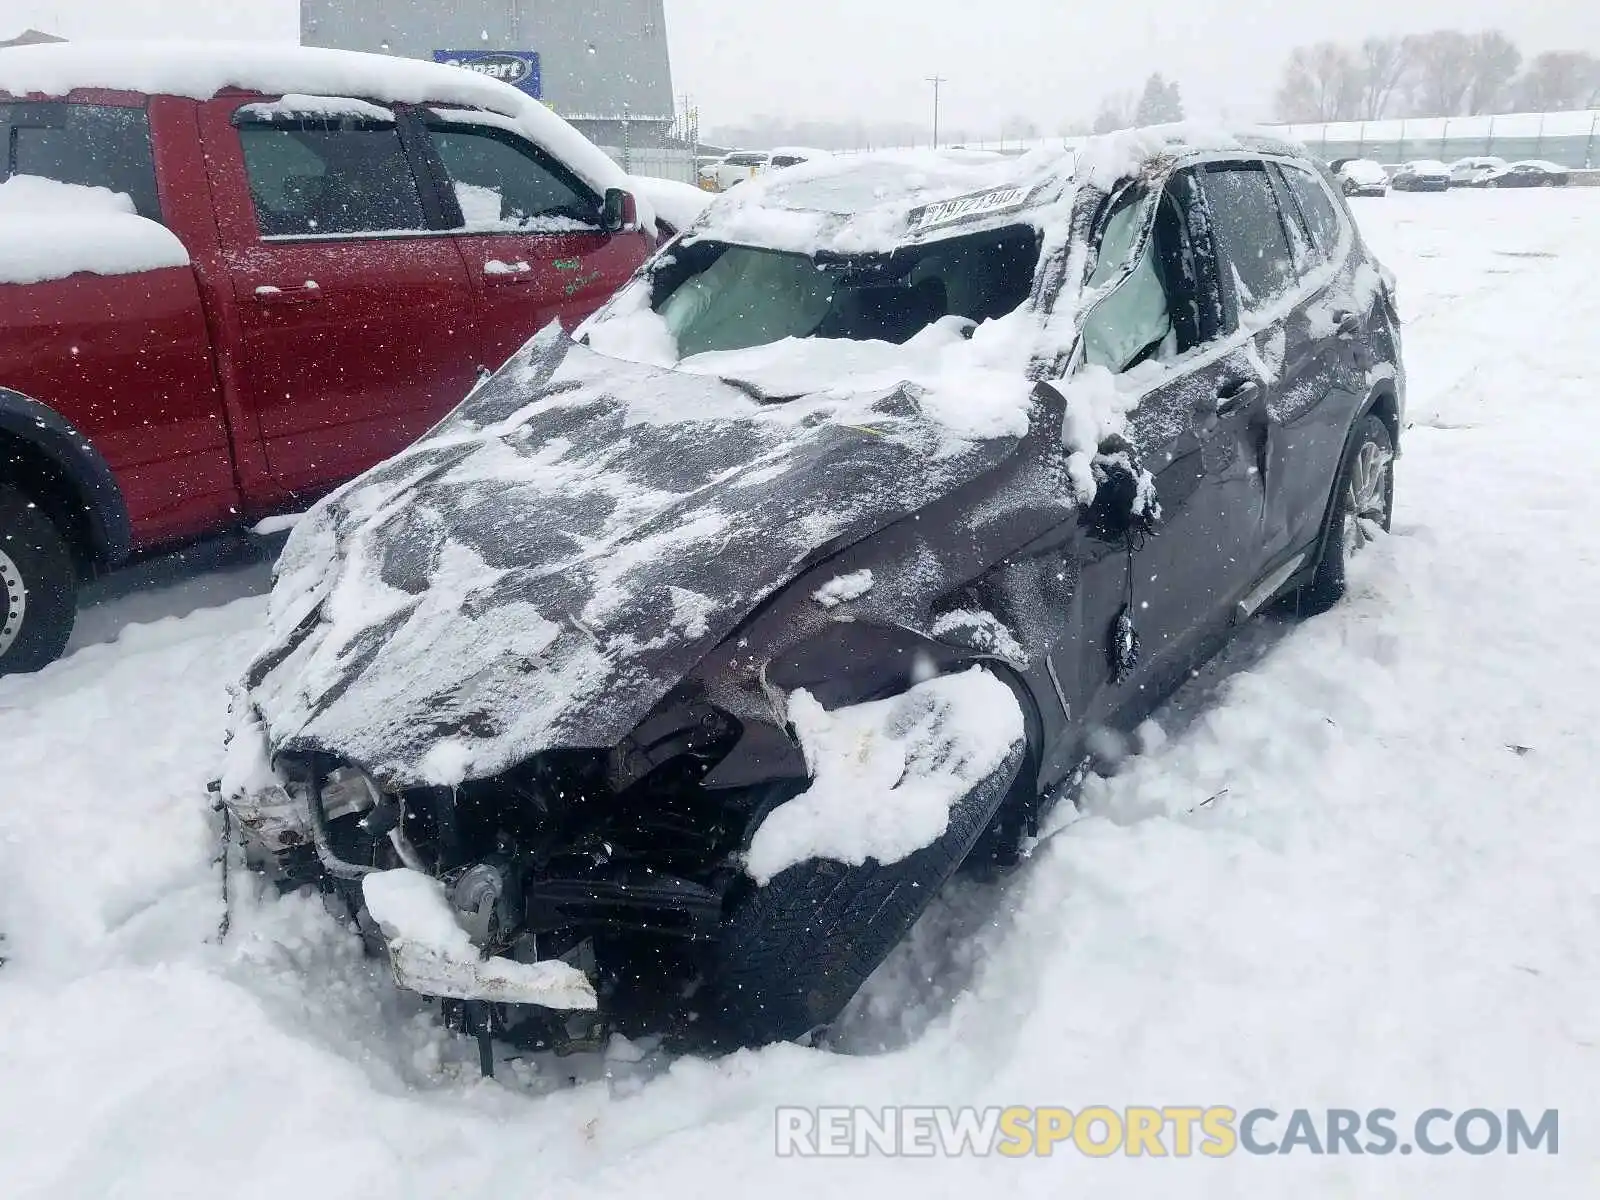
(38, 586)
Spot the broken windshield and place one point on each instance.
(717, 296)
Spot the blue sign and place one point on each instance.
(519, 68)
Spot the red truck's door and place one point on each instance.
(351, 322)
(530, 230)
(126, 358)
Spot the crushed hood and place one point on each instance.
(543, 567)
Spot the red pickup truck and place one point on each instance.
(232, 278)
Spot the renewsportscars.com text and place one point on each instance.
(1177, 1131)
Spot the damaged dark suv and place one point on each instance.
(663, 683)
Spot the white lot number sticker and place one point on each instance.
(976, 205)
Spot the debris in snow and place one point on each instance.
(980, 630)
(842, 589)
(432, 955)
(885, 775)
(50, 230)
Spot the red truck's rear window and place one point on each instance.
(94, 145)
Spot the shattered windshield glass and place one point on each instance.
(716, 296)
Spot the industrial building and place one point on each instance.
(601, 64)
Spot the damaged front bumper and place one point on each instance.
(433, 955)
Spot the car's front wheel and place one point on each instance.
(1362, 509)
(794, 949)
(38, 586)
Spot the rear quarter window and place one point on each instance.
(1322, 221)
(91, 145)
(1244, 211)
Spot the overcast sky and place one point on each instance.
(1048, 60)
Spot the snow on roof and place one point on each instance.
(862, 203)
(199, 70)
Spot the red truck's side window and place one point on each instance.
(310, 179)
(529, 229)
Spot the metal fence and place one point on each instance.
(1571, 139)
(657, 162)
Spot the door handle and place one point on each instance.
(308, 292)
(1236, 394)
(499, 273)
(1346, 324)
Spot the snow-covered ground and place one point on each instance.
(1358, 869)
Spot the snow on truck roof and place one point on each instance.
(200, 70)
(865, 203)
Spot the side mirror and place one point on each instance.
(1125, 505)
(619, 211)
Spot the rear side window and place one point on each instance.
(1316, 207)
(92, 145)
(505, 184)
(745, 160)
(1244, 211)
(330, 177)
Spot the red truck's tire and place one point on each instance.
(38, 586)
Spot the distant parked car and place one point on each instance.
(1469, 172)
(1423, 175)
(742, 165)
(1362, 177)
(1530, 173)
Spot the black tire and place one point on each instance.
(38, 586)
(1360, 501)
(793, 953)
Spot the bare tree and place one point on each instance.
(1321, 83)
(1444, 73)
(1495, 59)
(1560, 80)
(1385, 63)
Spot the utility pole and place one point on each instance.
(937, 81)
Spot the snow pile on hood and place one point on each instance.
(199, 70)
(50, 230)
(564, 549)
(885, 775)
(976, 387)
(432, 955)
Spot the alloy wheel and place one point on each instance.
(1367, 497)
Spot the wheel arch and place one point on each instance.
(61, 471)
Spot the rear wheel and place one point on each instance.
(1363, 506)
(38, 586)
